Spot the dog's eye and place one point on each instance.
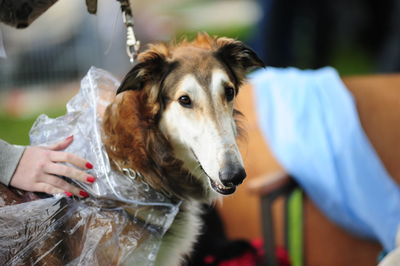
(229, 93)
(185, 101)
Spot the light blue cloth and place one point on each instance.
(311, 124)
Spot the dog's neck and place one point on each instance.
(175, 190)
(170, 179)
(134, 141)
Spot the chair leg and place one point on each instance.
(268, 231)
(267, 201)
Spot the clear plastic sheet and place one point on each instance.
(123, 221)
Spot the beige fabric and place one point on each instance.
(9, 159)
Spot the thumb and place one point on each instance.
(61, 145)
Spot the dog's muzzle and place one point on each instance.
(230, 177)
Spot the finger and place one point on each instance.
(47, 188)
(71, 158)
(61, 145)
(63, 185)
(63, 170)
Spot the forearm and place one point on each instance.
(10, 156)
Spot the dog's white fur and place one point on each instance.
(190, 130)
(202, 134)
(208, 131)
(181, 236)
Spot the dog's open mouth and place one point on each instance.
(218, 187)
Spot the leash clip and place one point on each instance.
(132, 44)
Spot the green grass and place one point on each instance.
(353, 61)
(238, 32)
(16, 130)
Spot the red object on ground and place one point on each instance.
(247, 259)
(282, 255)
(250, 258)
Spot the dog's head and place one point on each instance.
(184, 97)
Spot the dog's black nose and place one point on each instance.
(232, 175)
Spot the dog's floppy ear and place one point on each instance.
(237, 56)
(151, 66)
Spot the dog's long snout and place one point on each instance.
(232, 175)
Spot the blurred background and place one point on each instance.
(45, 62)
(41, 66)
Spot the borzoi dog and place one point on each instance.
(173, 121)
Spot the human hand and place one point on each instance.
(39, 166)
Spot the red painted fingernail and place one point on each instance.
(84, 194)
(89, 165)
(91, 179)
(69, 194)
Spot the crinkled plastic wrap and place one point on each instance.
(123, 221)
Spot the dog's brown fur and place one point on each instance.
(133, 138)
(132, 135)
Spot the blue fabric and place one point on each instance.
(311, 124)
